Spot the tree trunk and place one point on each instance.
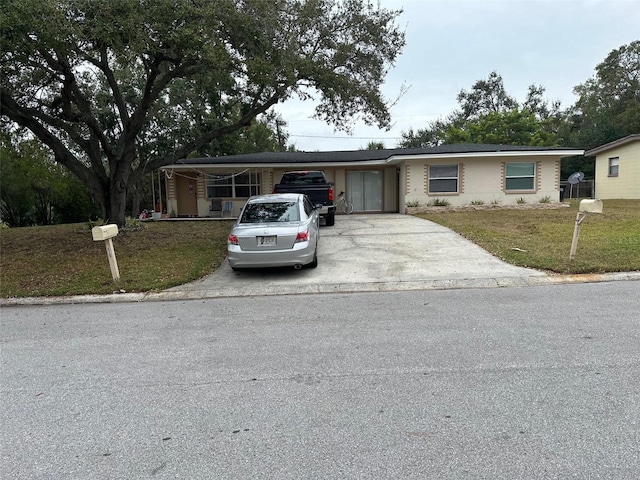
(113, 199)
(120, 175)
(118, 203)
(135, 200)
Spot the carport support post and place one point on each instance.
(576, 233)
(113, 263)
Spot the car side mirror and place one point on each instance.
(318, 206)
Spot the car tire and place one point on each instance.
(330, 219)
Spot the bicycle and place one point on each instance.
(343, 204)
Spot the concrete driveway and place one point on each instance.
(378, 252)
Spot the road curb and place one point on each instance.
(204, 294)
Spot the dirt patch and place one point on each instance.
(470, 208)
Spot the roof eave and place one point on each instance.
(297, 165)
(614, 144)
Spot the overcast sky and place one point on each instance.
(450, 44)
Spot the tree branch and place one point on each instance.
(206, 138)
(63, 155)
(156, 82)
(71, 95)
(103, 65)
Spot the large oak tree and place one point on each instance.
(120, 88)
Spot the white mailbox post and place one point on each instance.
(106, 233)
(586, 207)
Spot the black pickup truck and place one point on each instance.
(314, 184)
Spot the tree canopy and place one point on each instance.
(120, 88)
(608, 105)
(488, 114)
(36, 190)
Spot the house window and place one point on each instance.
(614, 166)
(443, 178)
(520, 176)
(231, 185)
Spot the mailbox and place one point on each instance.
(590, 206)
(104, 232)
(584, 209)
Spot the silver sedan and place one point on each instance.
(276, 230)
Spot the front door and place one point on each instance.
(186, 196)
(364, 189)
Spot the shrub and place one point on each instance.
(441, 202)
(94, 223)
(521, 200)
(132, 224)
(546, 199)
(413, 203)
(477, 202)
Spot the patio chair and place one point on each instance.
(227, 207)
(216, 207)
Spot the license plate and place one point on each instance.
(266, 241)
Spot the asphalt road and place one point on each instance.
(503, 383)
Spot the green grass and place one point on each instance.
(64, 260)
(541, 239)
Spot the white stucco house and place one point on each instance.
(618, 168)
(375, 180)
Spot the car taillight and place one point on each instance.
(232, 240)
(331, 194)
(302, 236)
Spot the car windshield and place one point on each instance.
(271, 212)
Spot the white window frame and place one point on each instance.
(520, 177)
(229, 182)
(447, 179)
(614, 166)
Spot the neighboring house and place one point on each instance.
(618, 168)
(375, 180)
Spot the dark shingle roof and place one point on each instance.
(360, 155)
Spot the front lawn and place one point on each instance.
(64, 260)
(541, 238)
